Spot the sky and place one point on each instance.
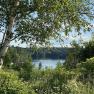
(85, 36)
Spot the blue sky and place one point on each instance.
(85, 36)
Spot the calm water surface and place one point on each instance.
(47, 63)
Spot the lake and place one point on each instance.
(47, 63)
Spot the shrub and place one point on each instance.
(52, 81)
(87, 70)
(87, 51)
(79, 88)
(10, 84)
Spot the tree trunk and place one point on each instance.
(6, 40)
(8, 34)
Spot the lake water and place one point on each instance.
(47, 63)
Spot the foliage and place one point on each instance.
(16, 56)
(49, 15)
(70, 61)
(87, 70)
(10, 84)
(50, 53)
(49, 81)
(25, 71)
(62, 80)
(19, 54)
(87, 51)
(73, 56)
(80, 88)
(79, 53)
(88, 65)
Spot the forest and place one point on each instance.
(37, 23)
(40, 53)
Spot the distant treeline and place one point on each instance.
(41, 53)
(51, 53)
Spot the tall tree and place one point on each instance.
(39, 20)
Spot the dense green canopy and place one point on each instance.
(39, 20)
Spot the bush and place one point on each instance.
(25, 71)
(10, 84)
(79, 88)
(52, 81)
(87, 51)
(87, 70)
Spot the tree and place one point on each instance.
(17, 22)
(87, 51)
